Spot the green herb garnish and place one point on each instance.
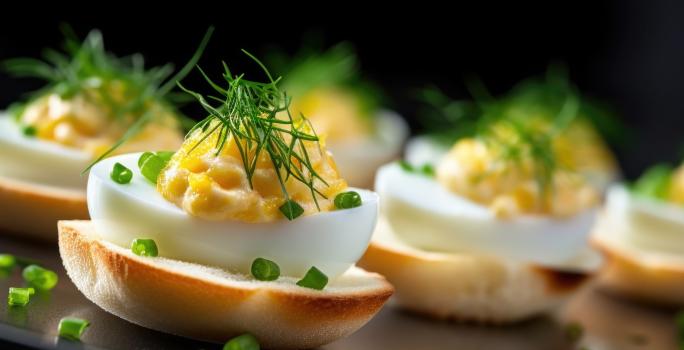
(144, 247)
(426, 169)
(7, 261)
(72, 328)
(120, 174)
(655, 182)
(19, 296)
(347, 200)
(314, 279)
(265, 270)
(39, 277)
(246, 111)
(242, 342)
(29, 130)
(151, 165)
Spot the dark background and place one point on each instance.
(627, 53)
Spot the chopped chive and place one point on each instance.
(29, 130)
(19, 296)
(291, 209)
(314, 279)
(347, 200)
(39, 277)
(428, 170)
(654, 182)
(7, 261)
(120, 174)
(144, 247)
(165, 155)
(151, 165)
(242, 342)
(406, 166)
(72, 328)
(265, 270)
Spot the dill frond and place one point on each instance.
(251, 113)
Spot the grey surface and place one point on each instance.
(610, 323)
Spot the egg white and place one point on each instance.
(358, 161)
(331, 241)
(426, 215)
(33, 160)
(642, 222)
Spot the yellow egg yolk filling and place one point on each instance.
(216, 187)
(477, 170)
(85, 121)
(333, 112)
(675, 193)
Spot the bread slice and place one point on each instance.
(212, 304)
(31, 211)
(652, 277)
(467, 287)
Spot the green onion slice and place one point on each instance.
(72, 328)
(242, 342)
(347, 200)
(265, 270)
(19, 296)
(151, 164)
(39, 277)
(29, 130)
(654, 182)
(144, 247)
(7, 261)
(314, 279)
(291, 209)
(120, 174)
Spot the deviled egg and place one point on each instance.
(640, 232)
(495, 232)
(327, 88)
(247, 228)
(542, 104)
(91, 100)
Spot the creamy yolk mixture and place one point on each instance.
(216, 187)
(334, 113)
(475, 169)
(85, 121)
(675, 193)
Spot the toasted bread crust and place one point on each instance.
(148, 292)
(32, 211)
(639, 276)
(470, 288)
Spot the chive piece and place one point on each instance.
(151, 165)
(39, 277)
(314, 279)
(19, 296)
(242, 342)
(144, 247)
(143, 158)
(165, 155)
(265, 270)
(428, 170)
(406, 166)
(7, 261)
(654, 182)
(29, 130)
(347, 200)
(574, 332)
(291, 209)
(120, 174)
(72, 328)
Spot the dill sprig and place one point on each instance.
(87, 66)
(249, 112)
(508, 124)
